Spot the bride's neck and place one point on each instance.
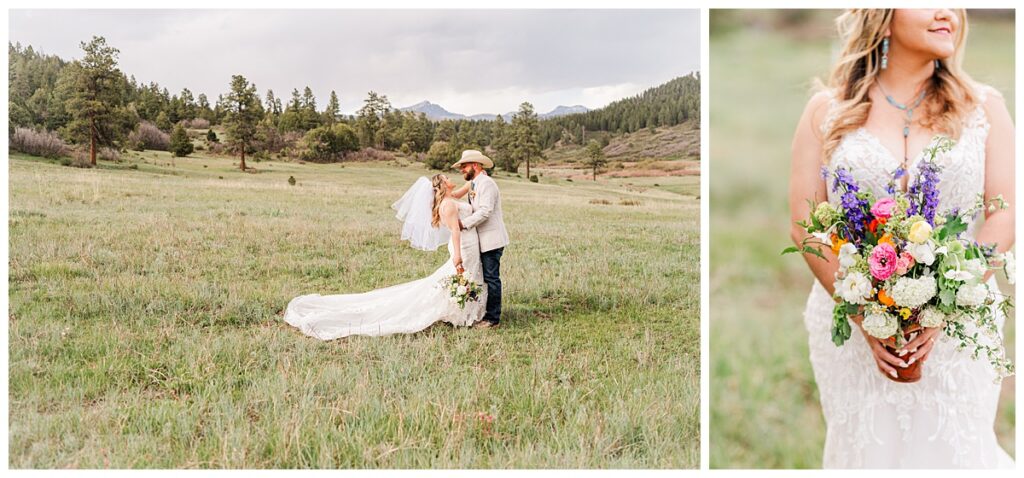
(906, 75)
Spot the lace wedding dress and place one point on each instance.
(399, 309)
(946, 419)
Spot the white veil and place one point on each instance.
(415, 210)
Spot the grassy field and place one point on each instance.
(145, 326)
(761, 380)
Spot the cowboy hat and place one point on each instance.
(474, 156)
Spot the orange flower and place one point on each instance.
(837, 242)
(886, 238)
(873, 225)
(884, 298)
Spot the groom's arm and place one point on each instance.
(486, 199)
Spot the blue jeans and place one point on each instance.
(491, 261)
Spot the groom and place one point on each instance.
(486, 218)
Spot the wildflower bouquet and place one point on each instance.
(905, 266)
(460, 289)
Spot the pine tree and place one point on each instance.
(181, 145)
(370, 117)
(243, 115)
(523, 142)
(333, 110)
(94, 88)
(595, 157)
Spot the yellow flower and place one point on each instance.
(887, 238)
(920, 231)
(905, 313)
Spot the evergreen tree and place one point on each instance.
(523, 143)
(95, 88)
(333, 111)
(163, 121)
(181, 145)
(243, 114)
(595, 157)
(309, 115)
(369, 119)
(188, 105)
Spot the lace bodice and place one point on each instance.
(963, 168)
(944, 420)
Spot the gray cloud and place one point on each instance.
(470, 61)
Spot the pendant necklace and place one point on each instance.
(909, 110)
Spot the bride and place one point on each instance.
(413, 306)
(897, 83)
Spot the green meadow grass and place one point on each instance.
(145, 324)
(764, 404)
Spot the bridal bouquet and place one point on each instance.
(905, 266)
(461, 290)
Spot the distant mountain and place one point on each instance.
(437, 112)
(433, 111)
(564, 110)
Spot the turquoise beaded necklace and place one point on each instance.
(909, 109)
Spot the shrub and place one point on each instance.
(291, 180)
(148, 136)
(441, 155)
(534, 178)
(80, 159)
(197, 123)
(370, 154)
(211, 136)
(38, 143)
(108, 154)
(180, 145)
(328, 143)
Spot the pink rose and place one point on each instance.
(904, 263)
(883, 261)
(883, 208)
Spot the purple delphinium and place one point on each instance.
(896, 175)
(924, 193)
(854, 206)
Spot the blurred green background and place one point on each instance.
(764, 403)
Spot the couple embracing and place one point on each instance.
(433, 214)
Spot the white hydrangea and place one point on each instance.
(971, 295)
(847, 256)
(855, 288)
(931, 317)
(880, 325)
(913, 293)
(461, 290)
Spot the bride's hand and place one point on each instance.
(885, 361)
(921, 346)
(458, 264)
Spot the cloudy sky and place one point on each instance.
(469, 61)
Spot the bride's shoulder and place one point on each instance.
(988, 96)
(818, 109)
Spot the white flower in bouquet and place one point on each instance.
(931, 317)
(879, 324)
(913, 293)
(847, 256)
(923, 252)
(971, 296)
(461, 290)
(855, 288)
(967, 271)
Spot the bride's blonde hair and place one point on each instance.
(861, 31)
(440, 191)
